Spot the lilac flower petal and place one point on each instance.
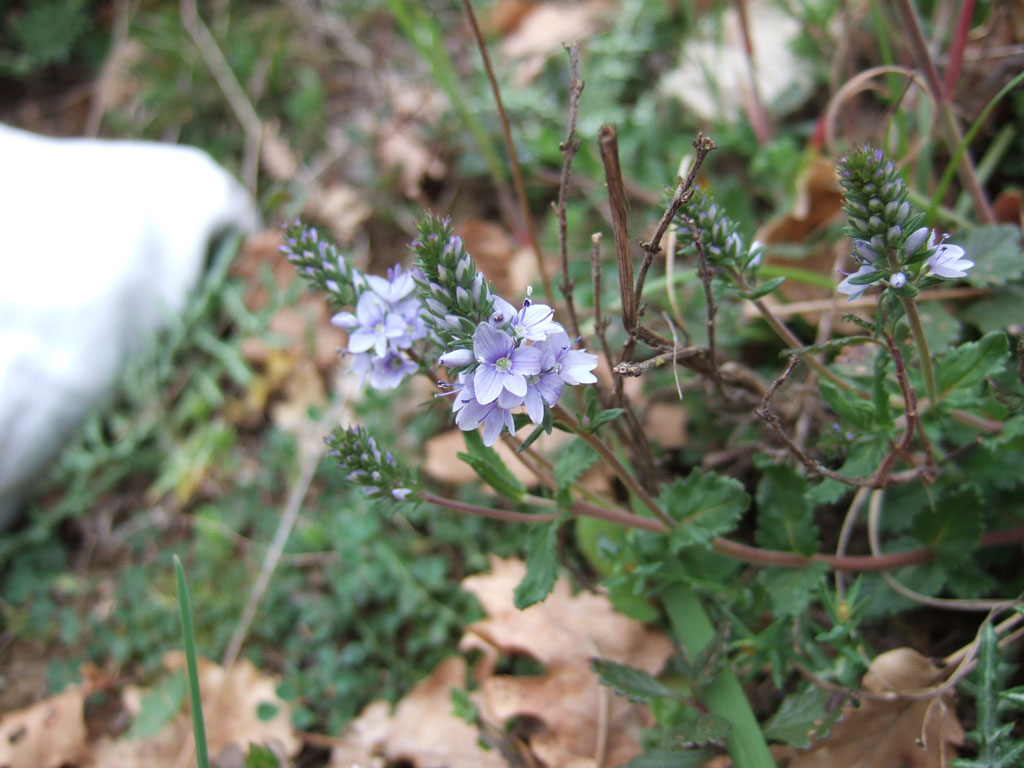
(490, 344)
(854, 290)
(345, 320)
(362, 339)
(492, 425)
(513, 382)
(577, 366)
(525, 361)
(534, 403)
(488, 383)
(948, 261)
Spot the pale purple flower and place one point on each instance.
(898, 280)
(854, 290)
(533, 322)
(502, 312)
(544, 387)
(388, 371)
(503, 365)
(377, 325)
(573, 366)
(396, 287)
(495, 415)
(948, 261)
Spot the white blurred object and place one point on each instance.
(100, 241)
(713, 76)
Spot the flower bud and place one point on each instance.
(898, 280)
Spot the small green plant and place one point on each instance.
(903, 434)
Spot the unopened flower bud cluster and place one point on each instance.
(890, 245)
(366, 466)
(723, 245)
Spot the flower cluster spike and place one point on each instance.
(890, 245)
(376, 472)
(319, 261)
(387, 317)
(455, 295)
(723, 245)
(879, 215)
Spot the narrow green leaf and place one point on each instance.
(541, 565)
(670, 758)
(706, 506)
(189, 638)
(633, 683)
(785, 518)
(486, 463)
(765, 288)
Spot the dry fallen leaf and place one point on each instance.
(580, 718)
(422, 730)
(580, 721)
(49, 734)
(907, 732)
(542, 29)
(231, 709)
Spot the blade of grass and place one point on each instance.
(188, 636)
(724, 697)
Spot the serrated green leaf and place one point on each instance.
(541, 565)
(462, 706)
(602, 418)
(785, 518)
(960, 370)
(573, 462)
(861, 460)
(765, 288)
(696, 728)
(952, 527)
(705, 505)
(941, 329)
(670, 758)
(158, 706)
(633, 683)
(995, 250)
(850, 408)
(802, 718)
(492, 470)
(996, 748)
(997, 311)
(790, 589)
(261, 756)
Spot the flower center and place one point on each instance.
(504, 364)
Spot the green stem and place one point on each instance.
(724, 697)
(927, 369)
